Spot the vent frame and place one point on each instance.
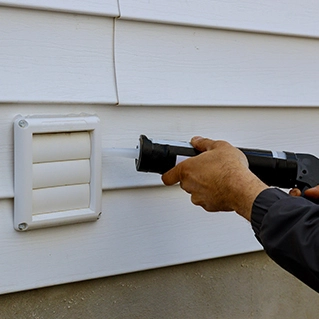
(24, 130)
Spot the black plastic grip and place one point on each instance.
(159, 158)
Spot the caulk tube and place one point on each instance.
(273, 168)
(161, 156)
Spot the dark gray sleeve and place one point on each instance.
(288, 229)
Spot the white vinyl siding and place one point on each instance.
(168, 80)
(96, 7)
(55, 57)
(187, 66)
(295, 17)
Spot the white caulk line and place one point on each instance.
(121, 152)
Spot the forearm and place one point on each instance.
(248, 189)
(288, 229)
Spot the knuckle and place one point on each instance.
(222, 144)
(197, 201)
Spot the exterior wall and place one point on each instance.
(248, 286)
(167, 75)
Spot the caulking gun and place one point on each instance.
(281, 169)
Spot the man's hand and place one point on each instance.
(311, 193)
(217, 179)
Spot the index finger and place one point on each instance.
(172, 176)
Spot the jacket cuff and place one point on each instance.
(261, 205)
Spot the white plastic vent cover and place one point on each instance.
(57, 168)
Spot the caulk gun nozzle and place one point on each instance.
(121, 152)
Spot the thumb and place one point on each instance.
(202, 144)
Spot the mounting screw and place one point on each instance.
(23, 226)
(23, 123)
